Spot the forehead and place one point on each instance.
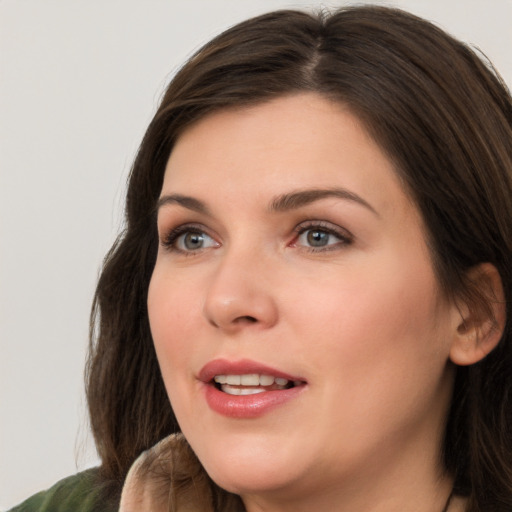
(299, 141)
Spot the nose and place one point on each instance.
(241, 295)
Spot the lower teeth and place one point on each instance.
(236, 390)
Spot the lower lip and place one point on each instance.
(248, 406)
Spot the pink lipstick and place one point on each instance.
(247, 389)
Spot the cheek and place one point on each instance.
(375, 320)
(374, 345)
(172, 310)
(171, 317)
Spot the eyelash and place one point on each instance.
(170, 240)
(345, 238)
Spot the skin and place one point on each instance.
(361, 319)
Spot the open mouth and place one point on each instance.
(246, 389)
(252, 383)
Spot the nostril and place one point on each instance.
(238, 322)
(246, 319)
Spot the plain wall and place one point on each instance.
(79, 81)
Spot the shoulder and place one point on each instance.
(77, 493)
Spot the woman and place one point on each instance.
(315, 273)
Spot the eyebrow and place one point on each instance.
(186, 201)
(282, 203)
(301, 198)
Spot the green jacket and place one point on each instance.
(147, 486)
(77, 493)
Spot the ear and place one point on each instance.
(480, 324)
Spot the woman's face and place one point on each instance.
(293, 270)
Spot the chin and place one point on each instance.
(259, 479)
(248, 466)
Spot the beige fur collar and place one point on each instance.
(169, 478)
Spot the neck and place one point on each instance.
(410, 481)
(439, 501)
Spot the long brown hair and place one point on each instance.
(437, 110)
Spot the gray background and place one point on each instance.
(79, 81)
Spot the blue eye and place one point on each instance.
(318, 237)
(188, 240)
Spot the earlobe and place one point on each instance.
(480, 325)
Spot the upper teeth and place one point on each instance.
(251, 379)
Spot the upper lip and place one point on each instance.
(241, 367)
